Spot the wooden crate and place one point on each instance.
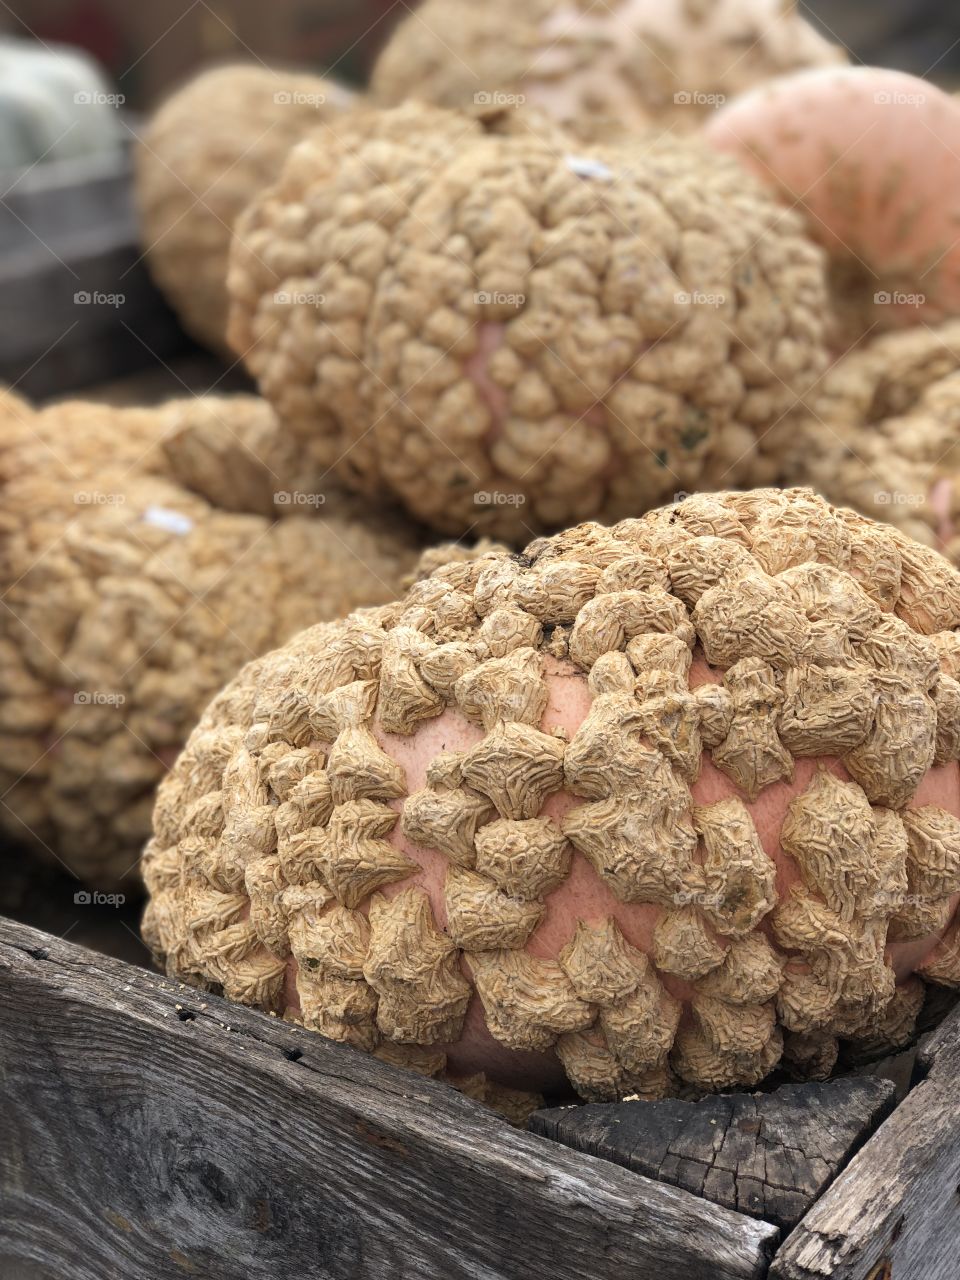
(152, 1131)
(77, 305)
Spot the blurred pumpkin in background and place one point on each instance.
(55, 104)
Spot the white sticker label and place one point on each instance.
(171, 521)
(584, 167)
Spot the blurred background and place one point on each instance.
(146, 48)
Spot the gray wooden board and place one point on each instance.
(768, 1154)
(895, 1210)
(763, 1153)
(50, 345)
(151, 1131)
(77, 304)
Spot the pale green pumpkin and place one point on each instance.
(55, 103)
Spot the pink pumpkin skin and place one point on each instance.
(872, 156)
(491, 338)
(583, 896)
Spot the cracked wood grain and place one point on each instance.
(153, 1132)
(770, 1155)
(894, 1213)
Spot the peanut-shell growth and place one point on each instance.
(628, 64)
(205, 154)
(128, 600)
(647, 809)
(881, 433)
(509, 332)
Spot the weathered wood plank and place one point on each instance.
(895, 1211)
(77, 304)
(155, 1132)
(767, 1154)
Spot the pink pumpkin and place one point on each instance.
(872, 157)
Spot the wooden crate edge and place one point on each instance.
(421, 1173)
